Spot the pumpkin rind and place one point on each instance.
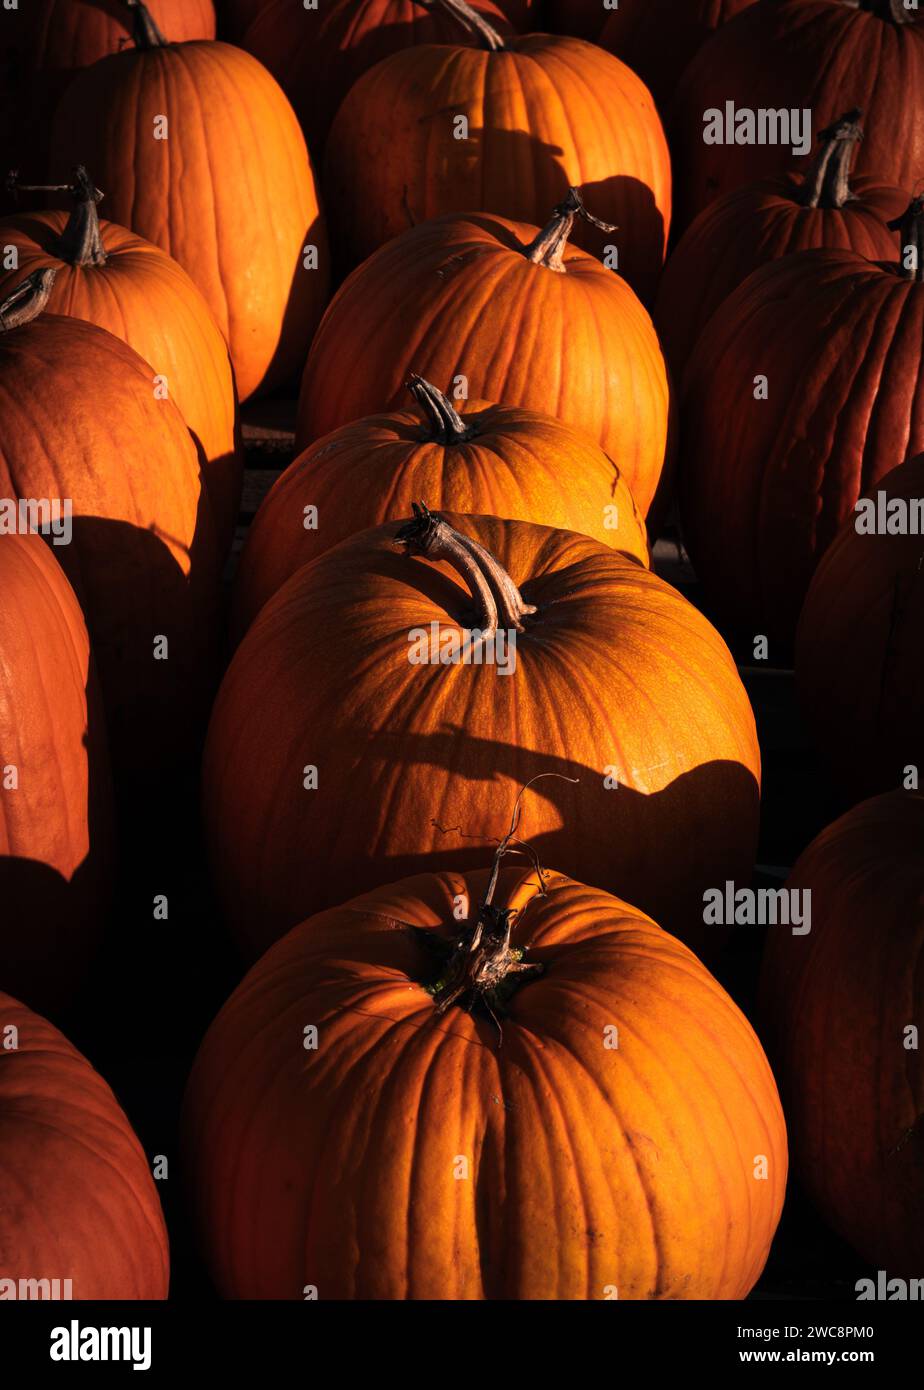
(837, 1005)
(619, 676)
(577, 345)
(817, 55)
(590, 1167)
(317, 55)
(756, 224)
(767, 483)
(859, 663)
(144, 297)
(80, 1202)
(516, 463)
(544, 114)
(56, 819)
(79, 420)
(229, 193)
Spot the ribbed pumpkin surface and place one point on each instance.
(79, 1200)
(411, 1157)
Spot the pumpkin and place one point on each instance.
(816, 56)
(610, 678)
(124, 284)
(658, 38)
(46, 42)
(80, 1200)
(608, 1145)
(582, 18)
(839, 1005)
(81, 423)
(507, 313)
(236, 16)
(495, 459)
(55, 793)
(542, 113)
(858, 659)
(764, 221)
(804, 390)
(317, 55)
(225, 187)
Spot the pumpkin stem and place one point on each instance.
(911, 227)
(80, 243)
(445, 424)
(548, 248)
(827, 184)
(27, 300)
(144, 28)
(483, 967)
(889, 9)
(471, 21)
(500, 600)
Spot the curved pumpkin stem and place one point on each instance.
(470, 20)
(483, 966)
(548, 248)
(80, 243)
(445, 424)
(911, 227)
(145, 32)
(27, 300)
(501, 603)
(827, 185)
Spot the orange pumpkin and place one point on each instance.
(507, 313)
(45, 42)
(859, 664)
(606, 1149)
(804, 389)
(80, 1203)
(316, 55)
(122, 283)
(765, 221)
(81, 423)
(199, 151)
(357, 669)
(842, 1009)
(496, 459)
(55, 792)
(542, 113)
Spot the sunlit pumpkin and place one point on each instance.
(765, 221)
(658, 38)
(859, 658)
(507, 313)
(610, 678)
(55, 793)
(81, 423)
(521, 1089)
(843, 1011)
(79, 1200)
(804, 389)
(815, 57)
(45, 42)
(198, 150)
(120, 282)
(316, 55)
(541, 113)
(500, 460)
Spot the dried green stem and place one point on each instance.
(827, 184)
(444, 424)
(27, 300)
(548, 248)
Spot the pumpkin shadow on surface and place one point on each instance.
(309, 295)
(127, 580)
(51, 927)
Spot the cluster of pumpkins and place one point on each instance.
(447, 1074)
